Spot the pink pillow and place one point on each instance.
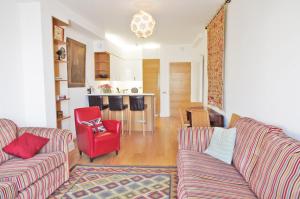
(25, 146)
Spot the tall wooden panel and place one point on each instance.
(180, 86)
(151, 81)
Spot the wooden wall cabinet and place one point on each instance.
(102, 65)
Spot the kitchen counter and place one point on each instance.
(136, 120)
(118, 94)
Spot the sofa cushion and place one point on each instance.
(222, 144)
(26, 172)
(201, 165)
(277, 172)
(249, 136)
(202, 176)
(26, 145)
(8, 132)
(192, 188)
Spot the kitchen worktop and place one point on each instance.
(122, 94)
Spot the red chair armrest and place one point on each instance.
(112, 125)
(86, 136)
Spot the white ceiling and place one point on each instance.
(177, 21)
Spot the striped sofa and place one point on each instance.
(266, 164)
(36, 177)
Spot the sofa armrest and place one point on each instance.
(58, 138)
(112, 125)
(8, 190)
(195, 138)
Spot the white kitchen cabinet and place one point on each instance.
(125, 70)
(114, 65)
(135, 68)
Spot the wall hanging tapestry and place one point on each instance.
(145, 182)
(215, 63)
(76, 63)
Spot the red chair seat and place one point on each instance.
(106, 136)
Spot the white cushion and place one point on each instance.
(222, 144)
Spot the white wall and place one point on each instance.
(167, 55)
(198, 66)
(32, 62)
(11, 74)
(263, 63)
(22, 75)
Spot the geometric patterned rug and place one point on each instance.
(119, 182)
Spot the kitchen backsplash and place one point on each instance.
(117, 86)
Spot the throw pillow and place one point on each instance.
(222, 144)
(26, 146)
(96, 124)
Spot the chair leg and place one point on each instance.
(143, 112)
(129, 120)
(117, 152)
(109, 114)
(122, 122)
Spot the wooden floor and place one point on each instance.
(158, 149)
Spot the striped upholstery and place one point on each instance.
(191, 164)
(202, 176)
(8, 132)
(25, 172)
(250, 134)
(277, 172)
(59, 139)
(8, 190)
(45, 186)
(39, 176)
(194, 139)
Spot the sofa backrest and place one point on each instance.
(277, 171)
(8, 132)
(249, 137)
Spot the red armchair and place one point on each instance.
(95, 144)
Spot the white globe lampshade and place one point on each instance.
(142, 24)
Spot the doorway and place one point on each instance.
(180, 86)
(151, 71)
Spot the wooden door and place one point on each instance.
(180, 86)
(151, 68)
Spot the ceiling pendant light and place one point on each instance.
(142, 24)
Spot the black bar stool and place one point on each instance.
(137, 103)
(98, 101)
(115, 103)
